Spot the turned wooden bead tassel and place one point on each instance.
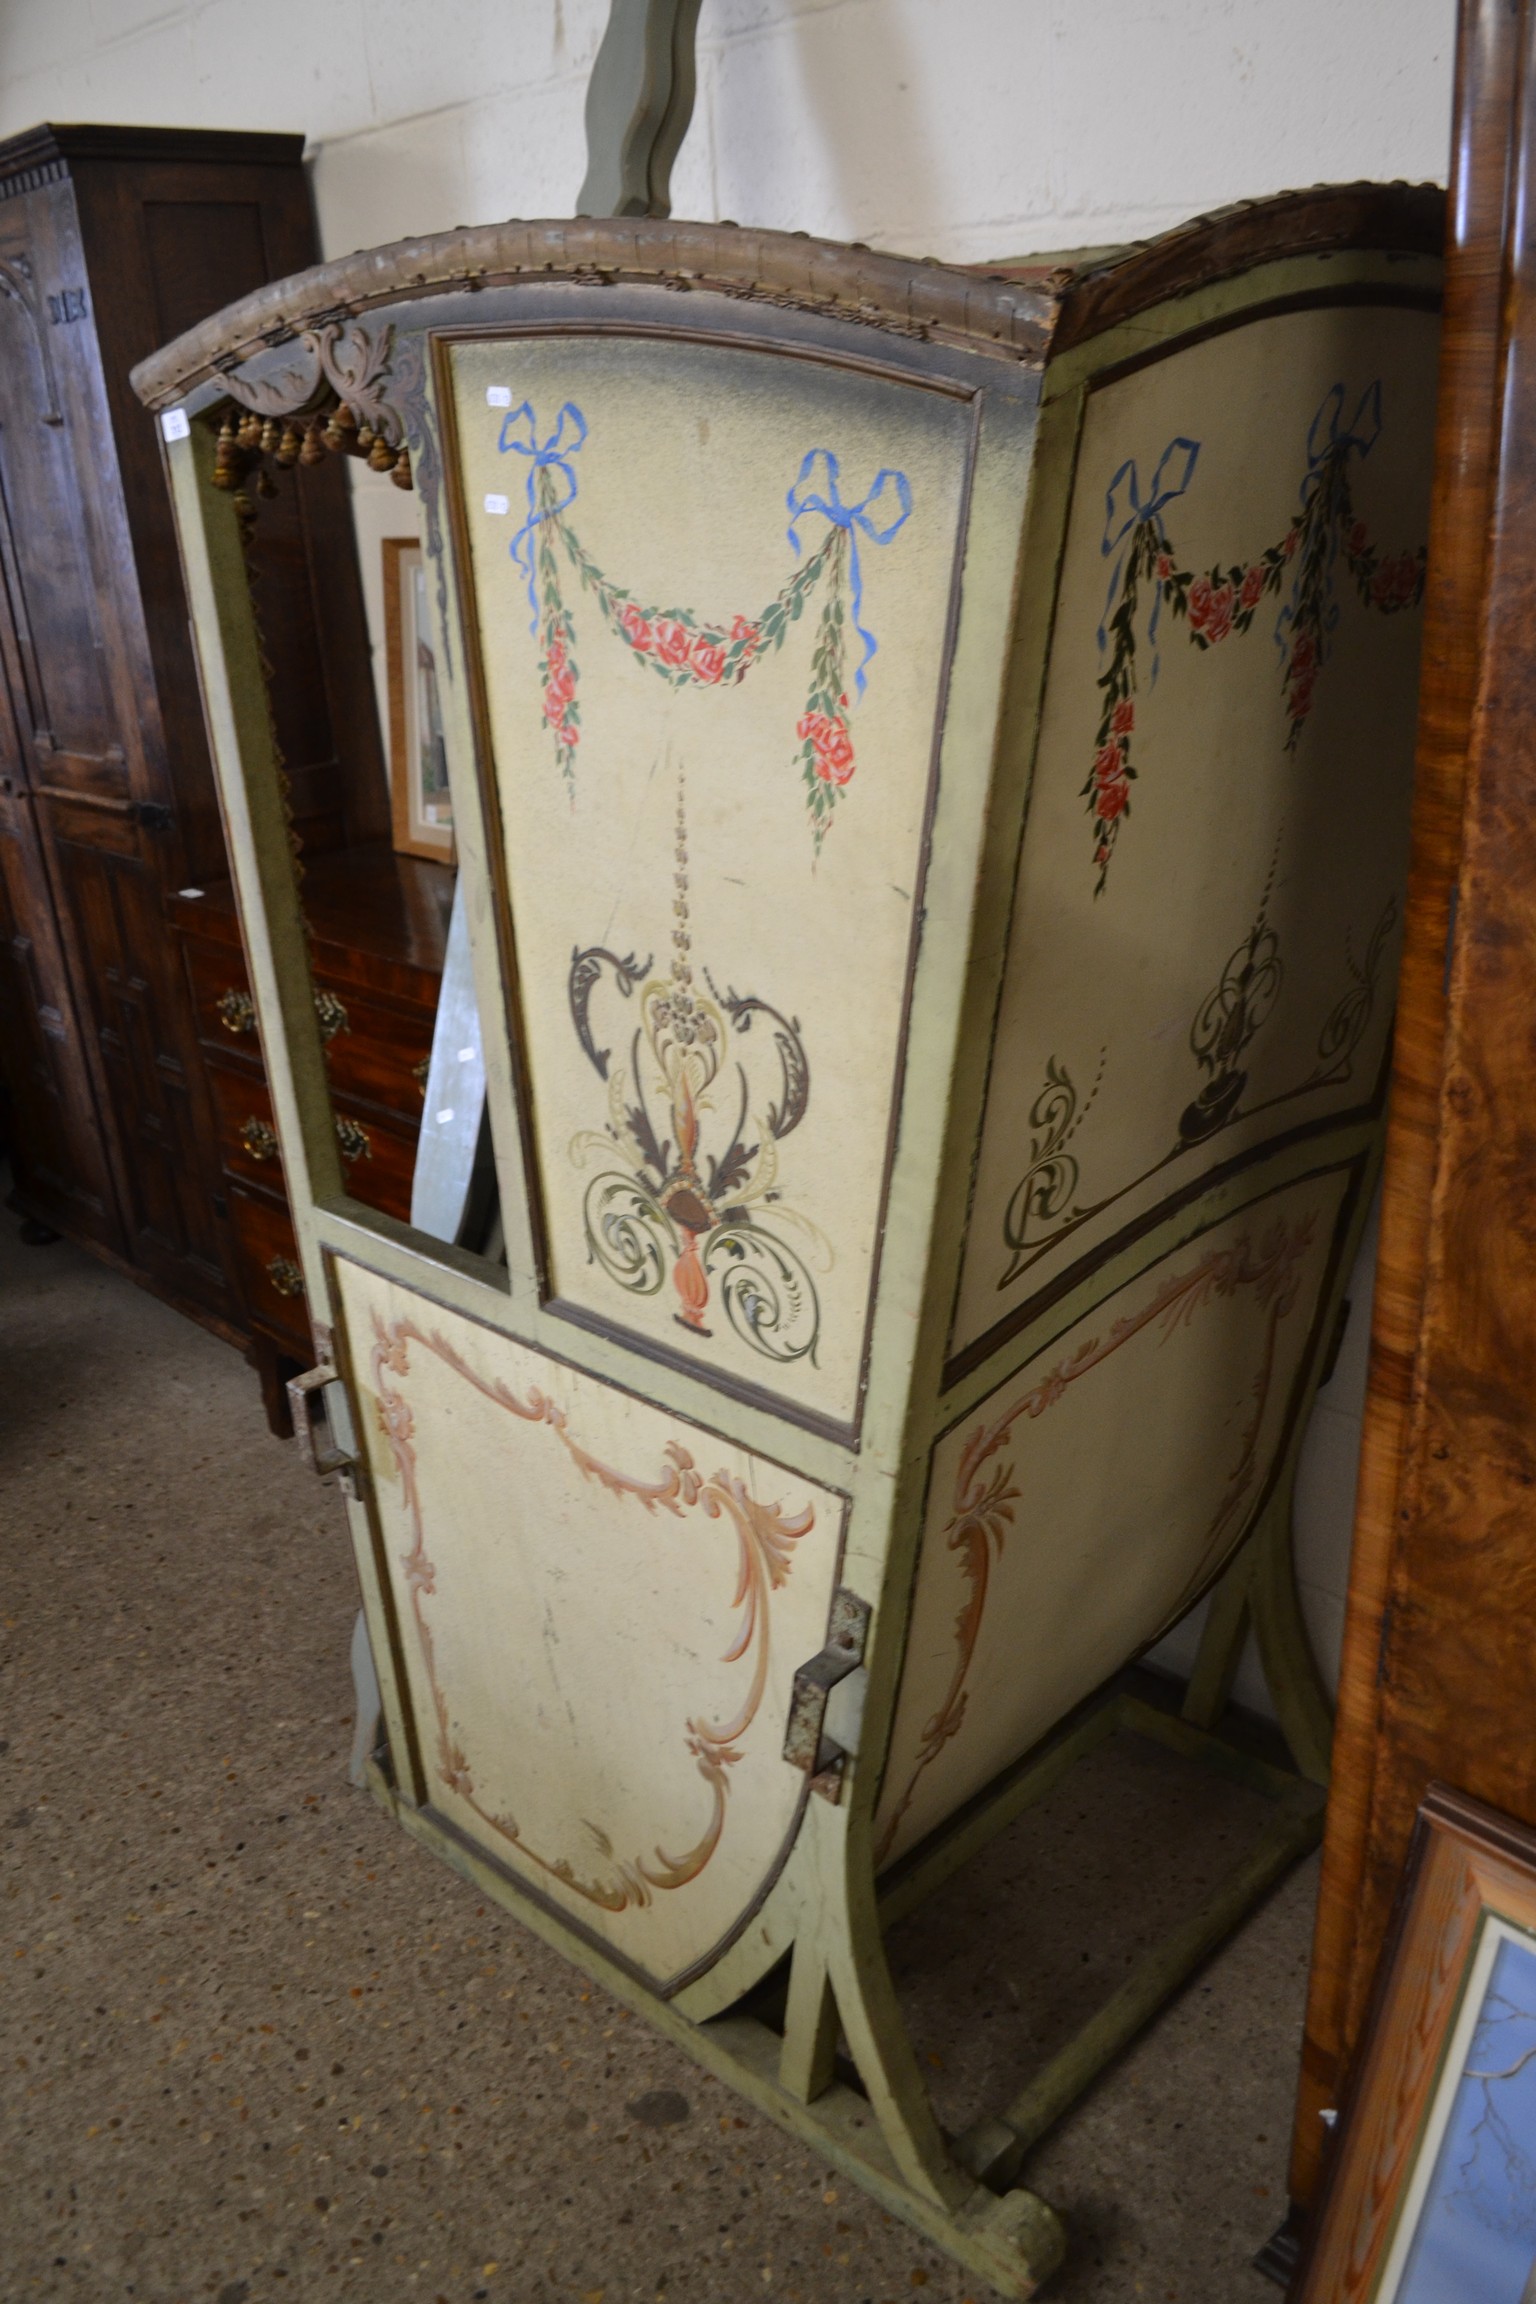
(400, 470)
(381, 457)
(288, 447)
(313, 450)
(228, 463)
(341, 426)
(249, 434)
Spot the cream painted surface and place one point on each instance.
(1229, 835)
(1076, 1511)
(601, 1610)
(680, 837)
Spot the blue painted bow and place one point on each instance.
(1328, 441)
(553, 454)
(1125, 510)
(1325, 438)
(820, 466)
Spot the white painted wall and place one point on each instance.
(954, 128)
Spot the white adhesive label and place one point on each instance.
(498, 505)
(498, 396)
(174, 425)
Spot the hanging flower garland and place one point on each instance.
(683, 648)
(1224, 601)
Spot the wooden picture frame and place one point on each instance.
(1431, 2190)
(420, 807)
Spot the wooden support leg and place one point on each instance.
(887, 2064)
(810, 2028)
(1285, 1649)
(273, 1369)
(994, 2147)
(1221, 1644)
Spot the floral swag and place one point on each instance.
(1302, 567)
(692, 651)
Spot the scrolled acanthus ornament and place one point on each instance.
(333, 398)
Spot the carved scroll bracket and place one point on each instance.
(332, 396)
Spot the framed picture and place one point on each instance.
(418, 762)
(1431, 2191)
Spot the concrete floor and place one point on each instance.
(255, 2044)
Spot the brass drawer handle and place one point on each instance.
(261, 1141)
(332, 1015)
(285, 1276)
(355, 1142)
(236, 1011)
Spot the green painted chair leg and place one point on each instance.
(1285, 1649)
(1221, 1645)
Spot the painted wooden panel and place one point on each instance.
(1079, 1509)
(600, 1610)
(711, 592)
(1207, 916)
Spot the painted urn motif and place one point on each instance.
(714, 1083)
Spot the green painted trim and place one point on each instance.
(639, 103)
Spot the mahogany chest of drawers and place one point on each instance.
(378, 923)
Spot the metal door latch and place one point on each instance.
(826, 1708)
(326, 1442)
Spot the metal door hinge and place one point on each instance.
(826, 1708)
(326, 1442)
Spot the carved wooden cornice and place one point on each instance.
(332, 388)
(984, 310)
(917, 298)
(51, 151)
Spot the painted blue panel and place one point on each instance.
(1476, 2239)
